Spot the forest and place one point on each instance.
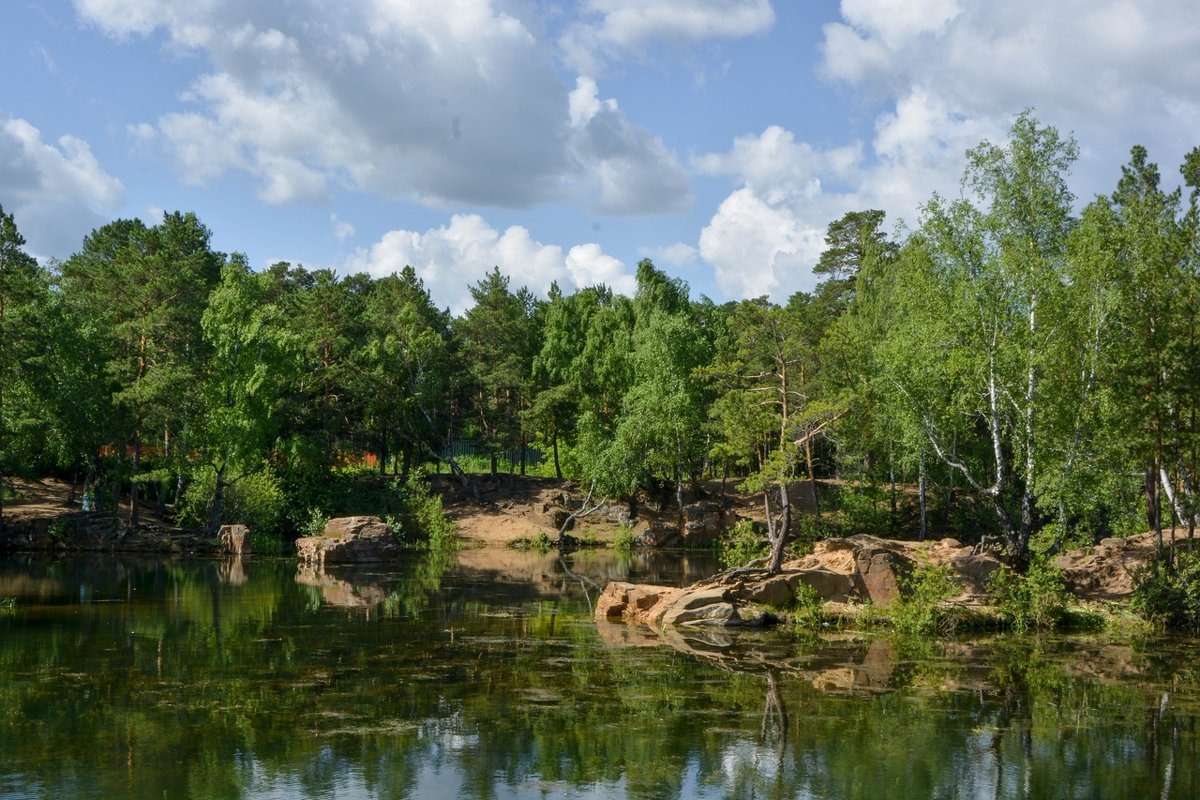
(1016, 353)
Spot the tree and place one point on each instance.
(21, 290)
(1155, 352)
(849, 242)
(141, 292)
(498, 338)
(973, 348)
(405, 368)
(252, 360)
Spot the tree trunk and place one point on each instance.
(557, 468)
(812, 478)
(134, 511)
(214, 514)
(921, 497)
(779, 535)
(524, 453)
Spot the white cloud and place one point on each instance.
(342, 230)
(452, 257)
(679, 254)
(53, 192)
(626, 170)
(441, 101)
(617, 28)
(949, 74)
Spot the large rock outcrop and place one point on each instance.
(659, 606)
(350, 540)
(861, 568)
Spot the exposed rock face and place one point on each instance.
(234, 540)
(658, 534)
(660, 606)
(1109, 570)
(702, 523)
(862, 568)
(350, 540)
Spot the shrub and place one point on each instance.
(918, 610)
(540, 541)
(422, 521)
(741, 545)
(1171, 597)
(1038, 599)
(253, 498)
(808, 612)
(626, 538)
(314, 524)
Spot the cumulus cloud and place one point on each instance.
(679, 254)
(618, 28)
(53, 191)
(946, 75)
(1098, 69)
(441, 102)
(452, 257)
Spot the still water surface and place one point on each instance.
(483, 675)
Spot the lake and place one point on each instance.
(482, 674)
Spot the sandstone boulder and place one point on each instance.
(350, 540)
(233, 540)
(703, 523)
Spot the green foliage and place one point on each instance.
(866, 510)
(422, 522)
(808, 610)
(59, 529)
(315, 524)
(741, 544)
(1170, 596)
(919, 609)
(626, 538)
(255, 499)
(539, 542)
(1036, 600)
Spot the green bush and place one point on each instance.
(919, 609)
(315, 524)
(422, 521)
(1170, 597)
(1038, 599)
(808, 610)
(866, 510)
(741, 545)
(540, 541)
(254, 499)
(626, 538)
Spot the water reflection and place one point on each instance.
(464, 677)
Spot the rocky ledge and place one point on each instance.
(863, 569)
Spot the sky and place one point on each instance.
(560, 141)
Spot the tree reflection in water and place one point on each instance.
(455, 678)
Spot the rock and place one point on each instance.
(557, 516)
(775, 590)
(658, 534)
(234, 540)
(703, 523)
(716, 614)
(350, 540)
(357, 528)
(631, 602)
(879, 573)
(830, 586)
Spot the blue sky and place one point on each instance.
(560, 141)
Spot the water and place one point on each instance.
(483, 675)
